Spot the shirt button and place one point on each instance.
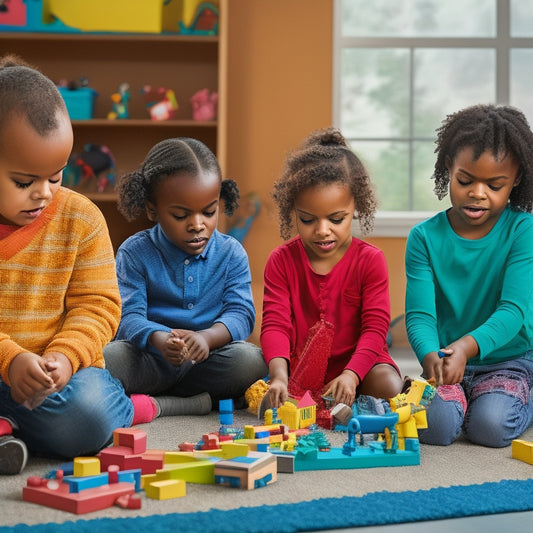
(186, 261)
(190, 306)
(189, 279)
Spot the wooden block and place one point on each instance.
(522, 450)
(86, 466)
(56, 494)
(132, 438)
(166, 489)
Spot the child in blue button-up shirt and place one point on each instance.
(187, 307)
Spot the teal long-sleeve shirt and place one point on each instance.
(481, 287)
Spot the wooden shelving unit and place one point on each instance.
(184, 64)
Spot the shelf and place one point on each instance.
(109, 37)
(183, 63)
(141, 122)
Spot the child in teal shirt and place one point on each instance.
(470, 278)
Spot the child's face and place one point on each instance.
(479, 191)
(186, 207)
(31, 168)
(324, 216)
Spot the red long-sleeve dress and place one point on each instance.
(353, 297)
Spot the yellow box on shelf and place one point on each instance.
(129, 16)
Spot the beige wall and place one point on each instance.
(279, 88)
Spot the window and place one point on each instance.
(400, 66)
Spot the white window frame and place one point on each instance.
(398, 223)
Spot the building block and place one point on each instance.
(522, 450)
(121, 456)
(56, 494)
(152, 463)
(179, 457)
(112, 474)
(166, 489)
(77, 483)
(132, 438)
(86, 466)
(285, 463)
(370, 456)
(130, 476)
(198, 471)
(234, 449)
(253, 471)
(129, 501)
(225, 410)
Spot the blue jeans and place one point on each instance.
(225, 374)
(77, 421)
(492, 406)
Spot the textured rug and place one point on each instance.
(377, 508)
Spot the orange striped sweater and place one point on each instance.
(58, 285)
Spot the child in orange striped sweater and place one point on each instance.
(60, 302)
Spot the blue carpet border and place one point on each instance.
(376, 508)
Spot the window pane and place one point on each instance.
(388, 165)
(374, 92)
(446, 80)
(520, 82)
(424, 198)
(418, 18)
(521, 18)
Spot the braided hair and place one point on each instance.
(324, 157)
(502, 129)
(166, 159)
(26, 92)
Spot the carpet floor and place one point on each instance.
(461, 464)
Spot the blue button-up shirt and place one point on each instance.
(163, 288)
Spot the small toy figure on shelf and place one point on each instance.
(160, 103)
(204, 20)
(120, 101)
(204, 105)
(91, 170)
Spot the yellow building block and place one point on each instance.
(165, 490)
(86, 466)
(179, 457)
(194, 472)
(522, 450)
(233, 449)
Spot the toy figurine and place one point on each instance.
(120, 101)
(94, 168)
(204, 20)
(204, 105)
(161, 104)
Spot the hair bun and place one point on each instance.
(326, 137)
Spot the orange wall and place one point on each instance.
(279, 88)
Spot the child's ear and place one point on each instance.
(518, 179)
(151, 212)
(448, 163)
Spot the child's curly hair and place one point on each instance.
(168, 158)
(324, 157)
(502, 129)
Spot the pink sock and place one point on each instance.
(5, 427)
(144, 409)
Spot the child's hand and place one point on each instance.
(277, 392)
(59, 368)
(171, 346)
(30, 381)
(458, 353)
(432, 366)
(343, 387)
(197, 348)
